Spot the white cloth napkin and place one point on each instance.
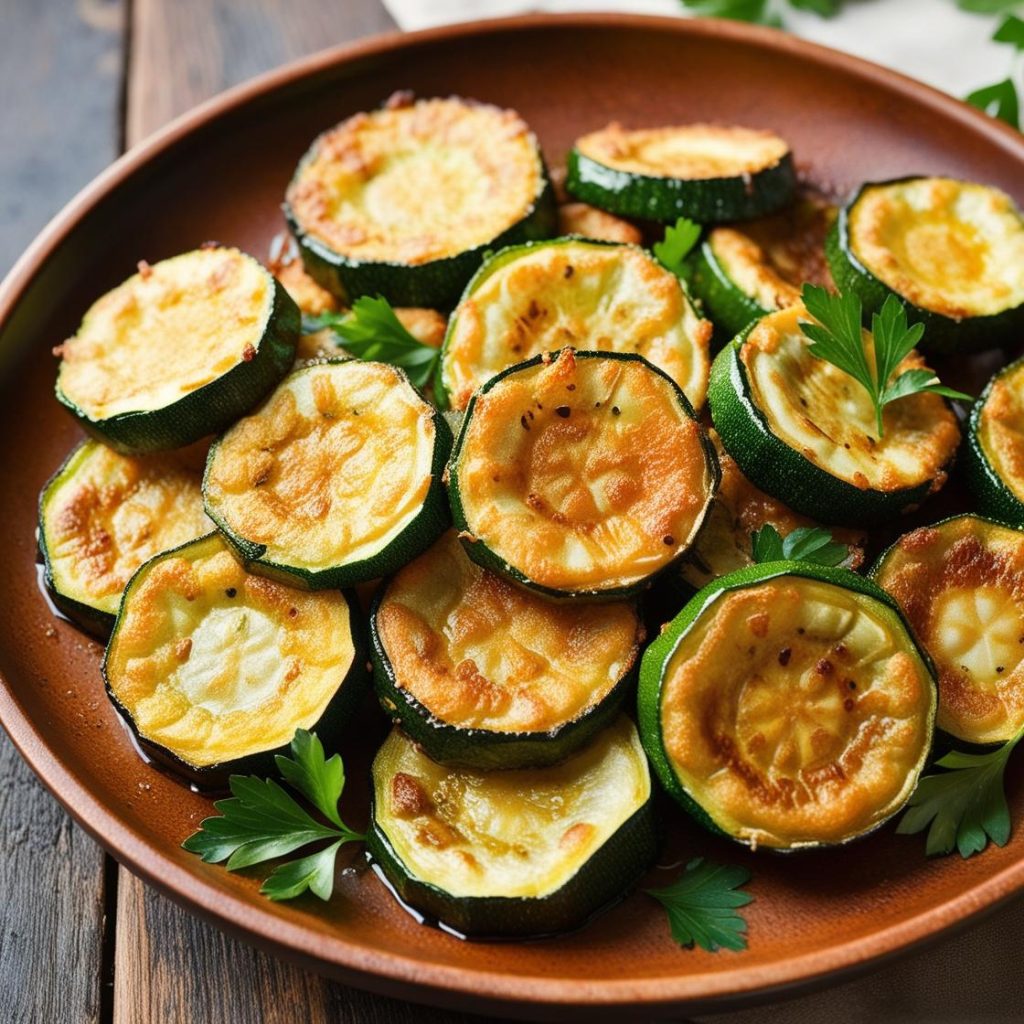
(932, 40)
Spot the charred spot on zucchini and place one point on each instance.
(994, 455)
(514, 853)
(709, 173)
(741, 273)
(591, 295)
(178, 351)
(960, 584)
(484, 674)
(952, 251)
(804, 431)
(102, 514)
(788, 706)
(404, 201)
(724, 543)
(335, 480)
(583, 475)
(214, 669)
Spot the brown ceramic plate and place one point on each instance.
(220, 173)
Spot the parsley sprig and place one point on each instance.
(703, 905)
(1000, 99)
(964, 806)
(262, 821)
(804, 544)
(371, 330)
(838, 339)
(679, 240)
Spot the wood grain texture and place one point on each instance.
(60, 82)
(184, 51)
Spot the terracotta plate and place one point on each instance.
(220, 173)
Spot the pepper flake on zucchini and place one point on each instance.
(335, 480)
(788, 706)
(583, 475)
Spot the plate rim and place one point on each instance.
(388, 972)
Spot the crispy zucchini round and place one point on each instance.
(581, 476)
(214, 669)
(404, 201)
(952, 251)
(804, 431)
(335, 480)
(178, 351)
(787, 706)
(994, 454)
(709, 173)
(527, 852)
(596, 296)
(484, 674)
(102, 514)
(960, 583)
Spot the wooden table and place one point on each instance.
(82, 940)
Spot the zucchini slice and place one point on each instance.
(585, 475)
(483, 674)
(787, 706)
(803, 431)
(591, 295)
(724, 543)
(589, 222)
(709, 173)
(214, 669)
(994, 457)
(178, 351)
(336, 479)
(404, 201)
(952, 251)
(527, 852)
(960, 584)
(742, 273)
(101, 515)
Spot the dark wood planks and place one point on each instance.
(60, 82)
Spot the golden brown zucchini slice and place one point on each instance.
(404, 201)
(788, 706)
(514, 853)
(215, 669)
(589, 222)
(484, 674)
(101, 515)
(583, 475)
(336, 479)
(593, 296)
(961, 585)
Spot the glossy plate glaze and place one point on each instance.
(220, 173)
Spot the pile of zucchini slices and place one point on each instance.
(505, 526)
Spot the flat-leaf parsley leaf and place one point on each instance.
(804, 544)
(679, 239)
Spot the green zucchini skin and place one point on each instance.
(705, 200)
(432, 520)
(943, 335)
(436, 284)
(616, 866)
(486, 749)
(994, 498)
(488, 559)
(731, 309)
(332, 724)
(663, 647)
(214, 406)
(776, 468)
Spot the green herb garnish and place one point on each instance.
(679, 239)
(1000, 100)
(702, 906)
(371, 330)
(262, 821)
(809, 544)
(837, 338)
(963, 807)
